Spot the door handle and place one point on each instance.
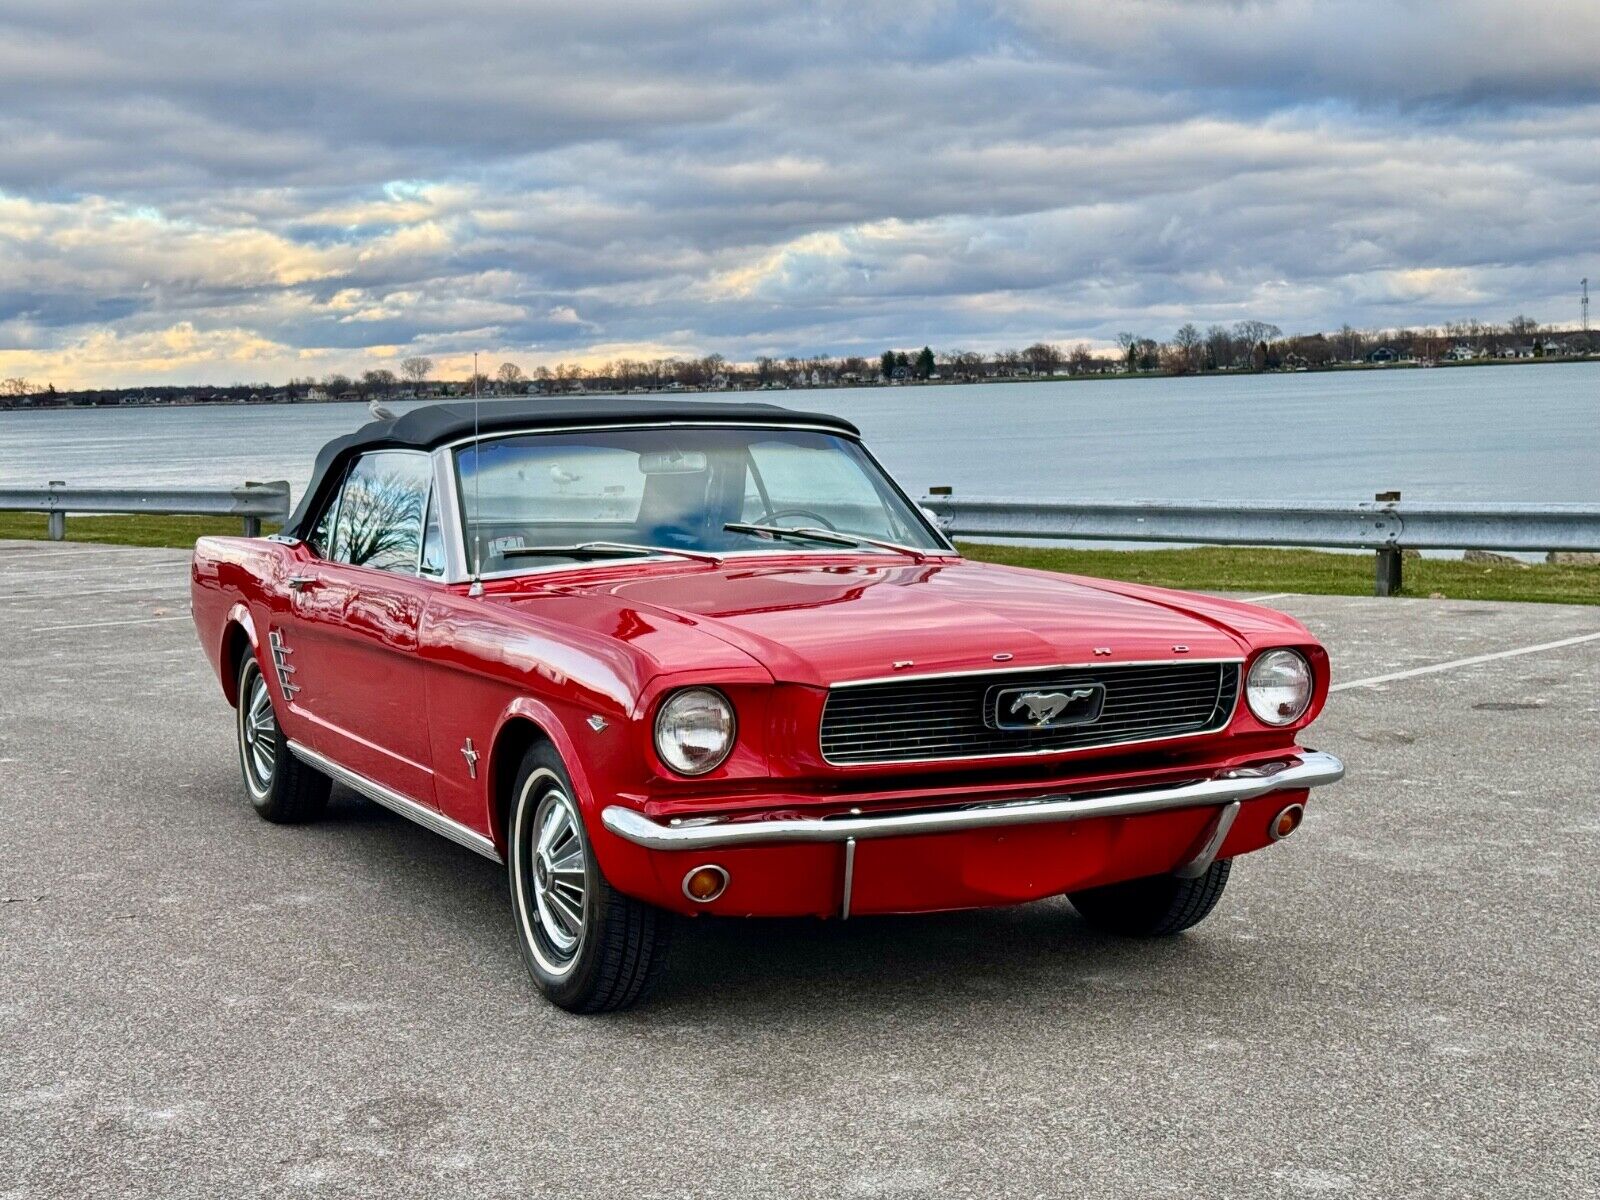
(299, 583)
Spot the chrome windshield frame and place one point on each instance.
(458, 551)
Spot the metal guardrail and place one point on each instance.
(1384, 525)
(251, 503)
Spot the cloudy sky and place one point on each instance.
(259, 189)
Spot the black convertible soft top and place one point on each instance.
(435, 425)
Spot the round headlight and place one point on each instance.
(694, 731)
(1279, 688)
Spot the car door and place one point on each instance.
(354, 614)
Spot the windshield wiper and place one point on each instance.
(606, 550)
(833, 536)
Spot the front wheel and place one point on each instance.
(283, 789)
(1154, 907)
(590, 948)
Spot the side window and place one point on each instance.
(321, 538)
(432, 540)
(379, 523)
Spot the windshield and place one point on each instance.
(676, 489)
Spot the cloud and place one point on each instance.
(315, 186)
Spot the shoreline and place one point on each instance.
(10, 405)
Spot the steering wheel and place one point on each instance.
(772, 518)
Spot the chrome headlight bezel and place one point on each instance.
(1279, 687)
(722, 730)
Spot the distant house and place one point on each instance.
(316, 393)
(1461, 352)
(1520, 350)
(1384, 354)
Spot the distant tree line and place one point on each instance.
(1245, 346)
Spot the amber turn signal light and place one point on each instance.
(1286, 822)
(705, 884)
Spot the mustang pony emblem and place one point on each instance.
(1045, 707)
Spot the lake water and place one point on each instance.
(1528, 433)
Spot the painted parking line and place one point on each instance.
(1269, 596)
(123, 551)
(175, 585)
(107, 624)
(88, 574)
(1375, 680)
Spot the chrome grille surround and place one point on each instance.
(946, 717)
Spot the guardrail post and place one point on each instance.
(1387, 580)
(252, 523)
(56, 522)
(1387, 577)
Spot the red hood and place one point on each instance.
(821, 623)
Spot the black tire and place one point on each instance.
(281, 788)
(589, 952)
(1154, 907)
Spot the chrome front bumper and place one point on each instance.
(1306, 769)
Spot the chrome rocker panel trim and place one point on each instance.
(428, 818)
(1305, 769)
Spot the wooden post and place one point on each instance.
(1387, 577)
(252, 527)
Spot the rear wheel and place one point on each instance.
(589, 947)
(1153, 907)
(282, 788)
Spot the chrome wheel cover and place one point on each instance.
(550, 872)
(258, 735)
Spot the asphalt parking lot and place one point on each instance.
(1400, 1001)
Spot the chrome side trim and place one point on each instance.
(1077, 666)
(1304, 769)
(1199, 862)
(429, 818)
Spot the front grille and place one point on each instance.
(958, 716)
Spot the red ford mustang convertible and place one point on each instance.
(678, 658)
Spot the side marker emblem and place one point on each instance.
(471, 755)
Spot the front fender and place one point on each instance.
(626, 866)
